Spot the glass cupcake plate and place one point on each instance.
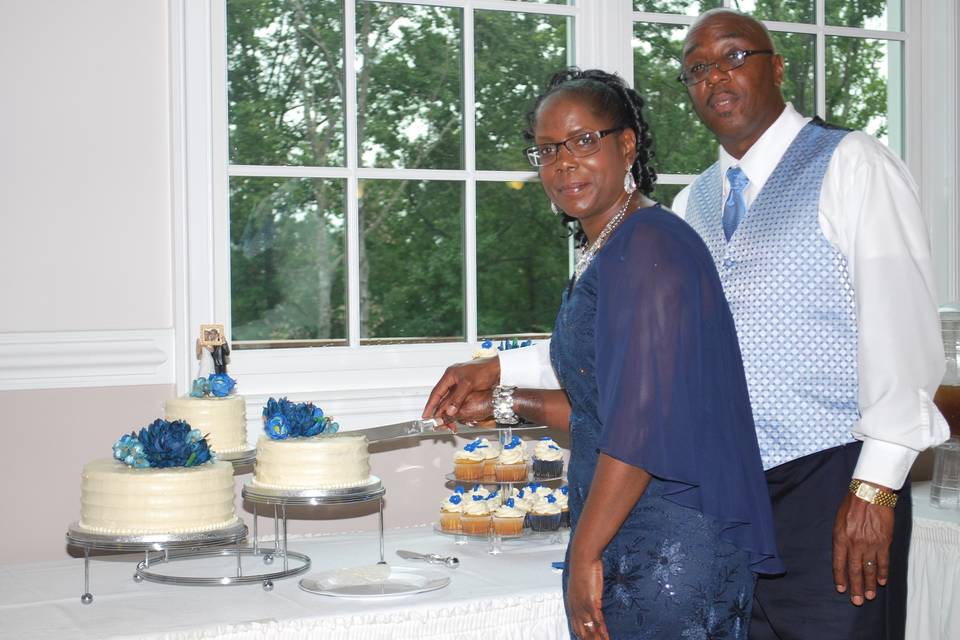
(526, 533)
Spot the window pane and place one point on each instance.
(411, 259)
(680, 143)
(865, 87)
(287, 259)
(522, 259)
(793, 11)
(567, 2)
(878, 14)
(686, 7)
(285, 79)
(799, 53)
(515, 55)
(409, 86)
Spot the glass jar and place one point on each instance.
(947, 398)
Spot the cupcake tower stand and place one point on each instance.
(494, 539)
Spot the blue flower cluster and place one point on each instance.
(284, 419)
(219, 385)
(506, 344)
(163, 444)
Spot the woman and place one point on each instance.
(669, 510)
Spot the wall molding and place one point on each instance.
(63, 359)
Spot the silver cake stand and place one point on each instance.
(160, 544)
(280, 499)
(239, 458)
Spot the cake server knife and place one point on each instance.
(432, 558)
(430, 427)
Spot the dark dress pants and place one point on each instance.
(803, 604)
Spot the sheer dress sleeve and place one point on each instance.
(672, 393)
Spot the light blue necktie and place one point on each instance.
(735, 207)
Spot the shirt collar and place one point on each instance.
(762, 158)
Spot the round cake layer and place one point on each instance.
(117, 499)
(320, 462)
(222, 420)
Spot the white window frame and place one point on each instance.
(391, 380)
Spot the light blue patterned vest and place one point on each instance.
(791, 299)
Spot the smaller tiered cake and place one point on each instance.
(213, 405)
(302, 450)
(160, 480)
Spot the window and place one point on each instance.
(377, 189)
(844, 65)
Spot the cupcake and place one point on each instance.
(511, 465)
(490, 451)
(450, 510)
(478, 490)
(508, 519)
(562, 496)
(538, 490)
(468, 463)
(494, 499)
(547, 459)
(545, 515)
(523, 500)
(475, 517)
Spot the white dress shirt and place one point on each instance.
(870, 212)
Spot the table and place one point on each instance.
(516, 594)
(933, 575)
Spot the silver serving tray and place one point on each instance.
(230, 534)
(371, 489)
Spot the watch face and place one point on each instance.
(867, 492)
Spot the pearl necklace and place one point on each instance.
(588, 254)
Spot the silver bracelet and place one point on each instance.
(503, 405)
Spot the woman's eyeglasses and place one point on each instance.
(580, 145)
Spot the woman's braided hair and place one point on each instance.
(609, 95)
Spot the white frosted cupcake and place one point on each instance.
(547, 459)
(450, 510)
(475, 518)
(545, 515)
(468, 463)
(562, 496)
(512, 465)
(508, 519)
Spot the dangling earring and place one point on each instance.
(553, 207)
(629, 184)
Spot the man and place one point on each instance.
(819, 241)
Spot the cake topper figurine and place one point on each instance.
(213, 351)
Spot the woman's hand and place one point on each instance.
(478, 405)
(585, 598)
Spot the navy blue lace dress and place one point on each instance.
(645, 347)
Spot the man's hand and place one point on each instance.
(862, 534)
(458, 382)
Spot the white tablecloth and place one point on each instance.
(933, 580)
(515, 595)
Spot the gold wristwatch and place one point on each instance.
(872, 494)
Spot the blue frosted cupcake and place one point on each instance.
(545, 515)
(547, 459)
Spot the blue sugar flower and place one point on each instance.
(200, 388)
(276, 427)
(510, 503)
(486, 344)
(477, 497)
(459, 489)
(221, 384)
(455, 499)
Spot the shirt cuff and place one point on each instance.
(884, 463)
(528, 368)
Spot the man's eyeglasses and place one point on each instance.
(580, 145)
(733, 60)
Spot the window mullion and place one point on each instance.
(470, 186)
(820, 63)
(353, 190)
